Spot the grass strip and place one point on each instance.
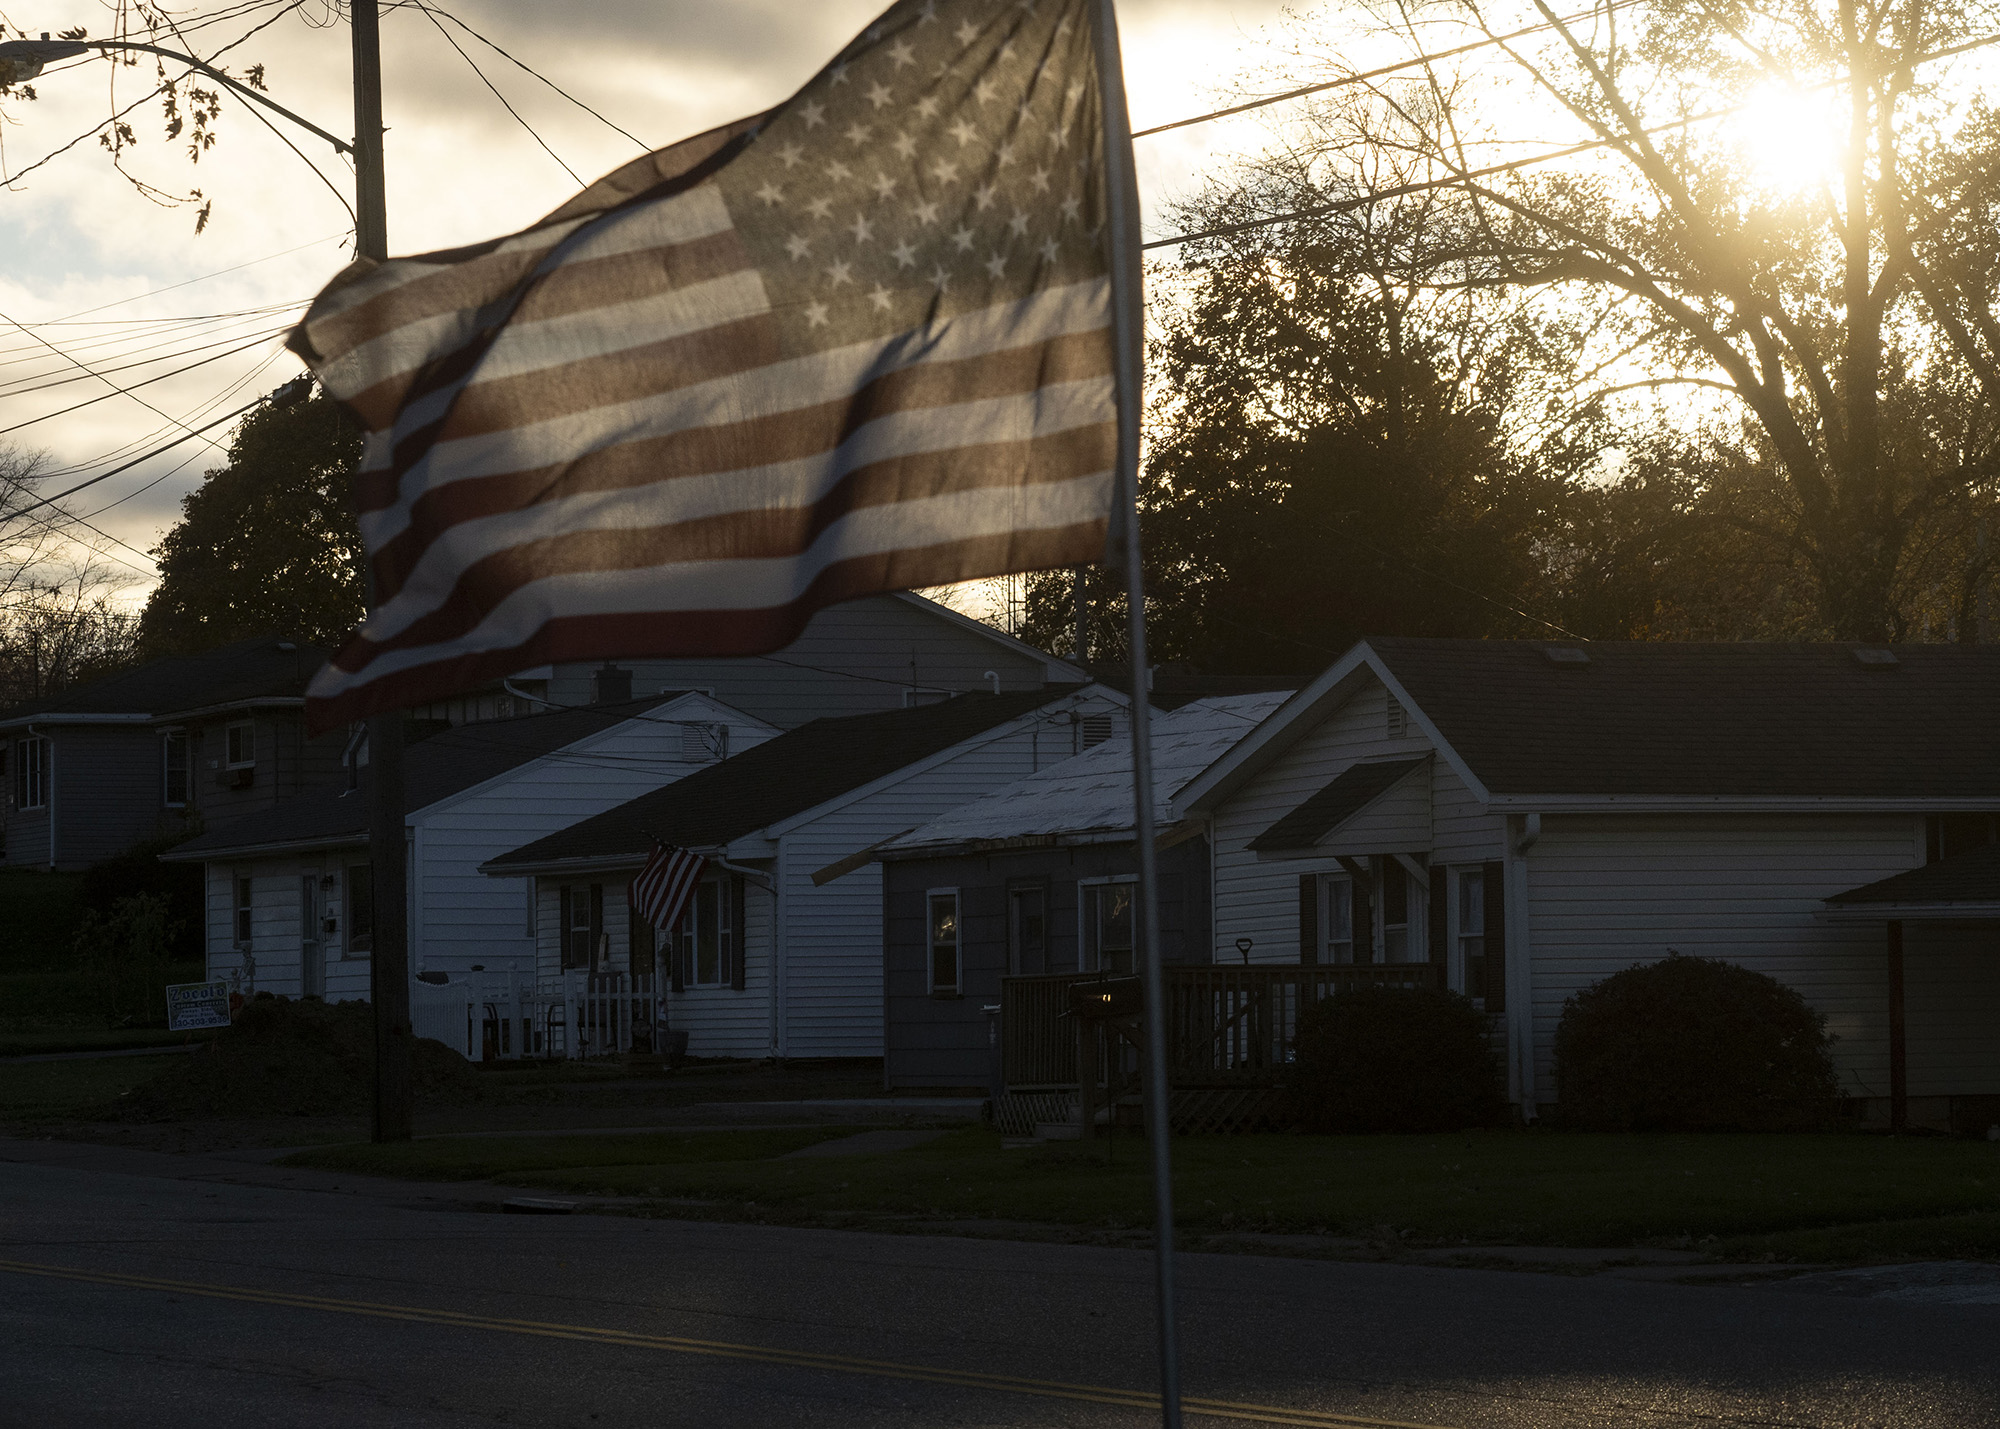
(486, 1158)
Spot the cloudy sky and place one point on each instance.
(113, 278)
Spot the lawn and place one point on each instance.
(1789, 1197)
(54, 1091)
(484, 1158)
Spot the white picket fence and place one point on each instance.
(488, 1016)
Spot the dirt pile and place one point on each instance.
(286, 1058)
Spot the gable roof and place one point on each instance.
(1966, 884)
(1353, 790)
(1091, 793)
(259, 668)
(1058, 670)
(1624, 722)
(445, 764)
(769, 782)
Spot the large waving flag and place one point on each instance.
(861, 342)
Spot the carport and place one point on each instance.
(1963, 890)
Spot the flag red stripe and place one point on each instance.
(760, 441)
(746, 535)
(698, 633)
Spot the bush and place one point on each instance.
(139, 870)
(127, 954)
(1693, 1044)
(1394, 1059)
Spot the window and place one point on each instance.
(360, 908)
(31, 773)
(943, 923)
(1395, 910)
(1027, 930)
(1107, 926)
(1337, 920)
(707, 936)
(243, 927)
(1472, 931)
(582, 924)
(239, 743)
(174, 769)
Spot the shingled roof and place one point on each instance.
(1743, 720)
(1964, 879)
(265, 667)
(446, 763)
(787, 775)
(1353, 790)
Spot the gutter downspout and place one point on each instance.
(1524, 831)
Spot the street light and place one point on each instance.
(22, 60)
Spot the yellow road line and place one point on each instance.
(719, 1349)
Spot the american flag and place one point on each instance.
(860, 342)
(664, 885)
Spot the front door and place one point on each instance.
(312, 955)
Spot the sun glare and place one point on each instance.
(1793, 139)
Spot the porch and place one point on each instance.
(509, 1016)
(1230, 1031)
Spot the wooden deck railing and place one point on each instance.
(1226, 1025)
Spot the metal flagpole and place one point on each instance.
(389, 959)
(1128, 316)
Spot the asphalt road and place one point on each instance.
(137, 1297)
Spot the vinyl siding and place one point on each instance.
(275, 951)
(943, 1042)
(462, 916)
(1605, 892)
(1258, 899)
(105, 794)
(852, 658)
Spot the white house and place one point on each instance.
(780, 951)
(1533, 816)
(288, 888)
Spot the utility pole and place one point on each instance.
(389, 962)
(1080, 593)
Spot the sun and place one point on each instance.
(1792, 137)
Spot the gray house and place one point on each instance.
(1037, 878)
(158, 750)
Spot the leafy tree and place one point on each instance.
(1833, 327)
(269, 541)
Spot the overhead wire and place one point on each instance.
(118, 391)
(525, 69)
(438, 25)
(16, 388)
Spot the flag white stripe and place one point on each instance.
(751, 584)
(399, 272)
(598, 332)
(779, 486)
(697, 214)
(764, 392)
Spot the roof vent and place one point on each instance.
(1876, 655)
(1566, 655)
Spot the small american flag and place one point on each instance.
(664, 885)
(861, 342)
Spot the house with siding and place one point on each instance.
(289, 907)
(779, 952)
(159, 750)
(1530, 817)
(1038, 878)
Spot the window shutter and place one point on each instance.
(676, 953)
(1364, 919)
(1308, 917)
(737, 960)
(1496, 937)
(563, 934)
(1434, 922)
(596, 924)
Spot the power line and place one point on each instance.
(86, 367)
(187, 282)
(1514, 165)
(1385, 70)
(434, 10)
(118, 391)
(157, 451)
(498, 95)
(14, 389)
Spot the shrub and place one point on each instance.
(1394, 1059)
(128, 955)
(1693, 1044)
(139, 870)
